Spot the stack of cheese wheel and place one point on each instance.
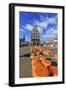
(34, 52)
(36, 64)
(35, 61)
(40, 70)
(53, 70)
(42, 66)
(47, 63)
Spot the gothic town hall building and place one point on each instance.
(35, 36)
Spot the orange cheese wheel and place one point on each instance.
(42, 58)
(48, 52)
(53, 70)
(33, 54)
(46, 63)
(37, 64)
(40, 72)
(35, 61)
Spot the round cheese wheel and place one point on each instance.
(40, 72)
(47, 63)
(53, 70)
(42, 58)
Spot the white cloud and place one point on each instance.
(48, 36)
(52, 20)
(42, 17)
(42, 24)
(28, 27)
(45, 21)
(21, 30)
(52, 31)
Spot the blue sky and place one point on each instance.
(47, 24)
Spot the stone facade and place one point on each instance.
(35, 36)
